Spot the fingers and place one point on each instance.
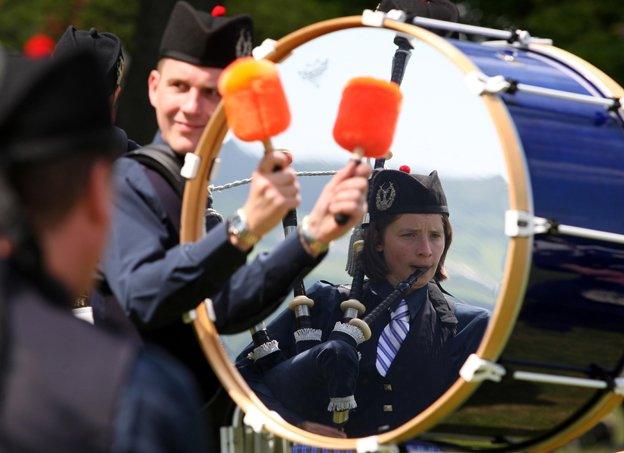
(285, 177)
(353, 183)
(353, 190)
(363, 170)
(272, 160)
(344, 173)
(348, 208)
(287, 154)
(279, 190)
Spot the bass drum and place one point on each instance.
(528, 141)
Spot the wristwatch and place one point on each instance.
(314, 245)
(237, 226)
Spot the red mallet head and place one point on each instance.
(254, 99)
(367, 116)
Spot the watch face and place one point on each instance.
(237, 225)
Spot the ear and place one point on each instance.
(379, 242)
(153, 81)
(114, 98)
(98, 194)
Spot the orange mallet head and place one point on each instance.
(254, 99)
(367, 116)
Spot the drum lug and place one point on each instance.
(396, 15)
(210, 311)
(476, 369)
(618, 386)
(254, 419)
(481, 84)
(189, 317)
(524, 224)
(371, 444)
(265, 49)
(191, 166)
(372, 18)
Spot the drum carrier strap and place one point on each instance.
(158, 158)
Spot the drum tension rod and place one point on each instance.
(476, 369)
(482, 84)
(524, 224)
(520, 37)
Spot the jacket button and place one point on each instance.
(388, 387)
(387, 408)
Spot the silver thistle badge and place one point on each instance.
(244, 44)
(385, 196)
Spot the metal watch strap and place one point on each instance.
(241, 231)
(316, 247)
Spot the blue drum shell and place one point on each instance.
(571, 320)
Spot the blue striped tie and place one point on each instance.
(392, 337)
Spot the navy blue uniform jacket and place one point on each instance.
(155, 279)
(71, 387)
(443, 333)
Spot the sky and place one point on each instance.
(442, 124)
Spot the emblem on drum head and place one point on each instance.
(385, 196)
(244, 44)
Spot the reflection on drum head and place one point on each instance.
(443, 127)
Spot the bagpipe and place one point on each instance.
(355, 132)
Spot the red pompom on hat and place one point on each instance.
(39, 46)
(405, 169)
(218, 11)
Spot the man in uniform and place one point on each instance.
(65, 385)
(109, 52)
(153, 278)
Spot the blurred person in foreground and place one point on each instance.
(65, 385)
(110, 55)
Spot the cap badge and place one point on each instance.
(243, 44)
(385, 196)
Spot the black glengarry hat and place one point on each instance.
(54, 107)
(198, 38)
(394, 192)
(433, 9)
(106, 47)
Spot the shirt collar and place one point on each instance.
(158, 138)
(415, 300)
(160, 141)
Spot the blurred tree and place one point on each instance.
(20, 19)
(276, 18)
(593, 30)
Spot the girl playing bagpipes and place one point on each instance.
(417, 344)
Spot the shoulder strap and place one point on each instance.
(158, 158)
(443, 306)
